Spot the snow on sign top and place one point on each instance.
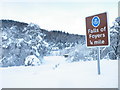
(97, 30)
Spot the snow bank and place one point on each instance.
(66, 75)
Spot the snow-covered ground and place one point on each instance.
(56, 73)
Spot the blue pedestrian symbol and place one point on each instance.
(95, 21)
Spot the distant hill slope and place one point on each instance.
(20, 39)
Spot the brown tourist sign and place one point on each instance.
(97, 30)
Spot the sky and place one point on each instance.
(62, 15)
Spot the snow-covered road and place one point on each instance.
(56, 73)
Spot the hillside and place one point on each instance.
(20, 40)
(28, 43)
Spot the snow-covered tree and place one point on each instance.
(115, 37)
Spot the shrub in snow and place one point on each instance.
(32, 60)
(80, 53)
(112, 56)
(77, 56)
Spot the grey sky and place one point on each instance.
(68, 16)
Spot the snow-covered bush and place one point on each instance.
(80, 53)
(32, 60)
(112, 55)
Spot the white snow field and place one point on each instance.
(56, 73)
